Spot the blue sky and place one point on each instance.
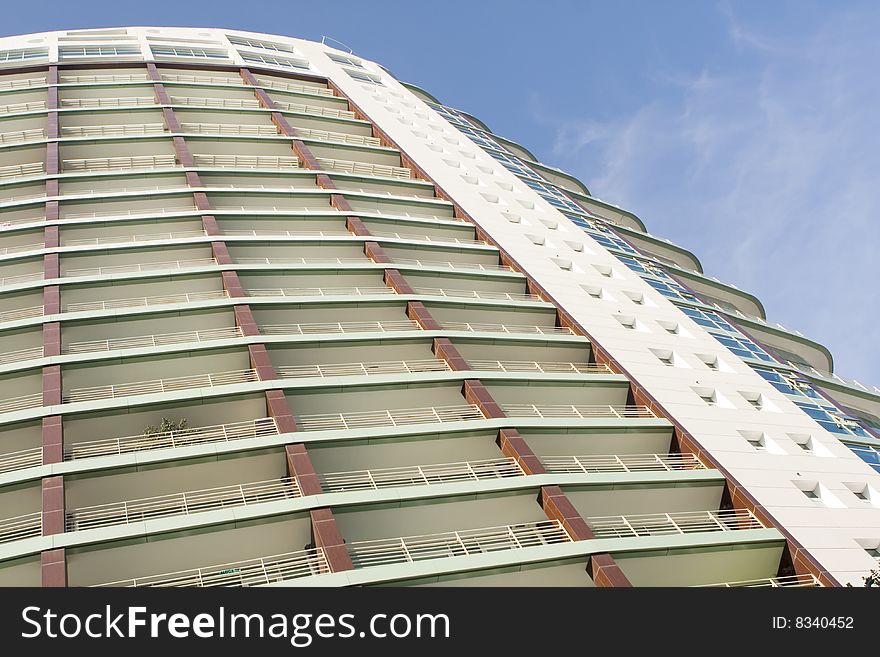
(748, 132)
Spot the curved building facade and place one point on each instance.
(270, 316)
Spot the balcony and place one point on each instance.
(581, 397)
(314, 283)
(125, 233)
(20, 306)
(142, 183)
(223, 103)
(401, 207)
(460, 316)
(337, 137)
(135, 302)
(122, 121)
(21, 241)
(252, 572)
(794, 581)
(364, 168)
(389, 418)
(268, 203)
(474, 294)
(23, 170)
(22, 107)
(21, 136)
(621, 463)
(246, 130)
(340, 328)
(282, 84)
(131, 207)
(581, 412)
(21, 345)
(117, 163)
(21, 527)
(21, 446)
(104, 78)
(312, 109)
(218, 78)
(513, 329)
(32, 213)
(20, 391)
(26, 82)
(299, 253)
(130, 100)
(155, 386)
(663, 524)
(110, 130)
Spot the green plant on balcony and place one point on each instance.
(167, 425)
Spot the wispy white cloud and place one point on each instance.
(768, 171)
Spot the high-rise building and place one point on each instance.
(270, 315)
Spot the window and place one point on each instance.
(863, 494)
(643, 267)
(812, 494)
(743, 347)
(870, 454)
(832, 420)
(708, 319)
(631, 323)
(22, 54)
(874, 552)
(552, 195)
(346, 61)
(254, 43)
(274, 60)
(758, 443)
(453, 116)
(671, 290)
(182, 51)
(363, 76)
(66, 52)
(788, 384)
(710, 397)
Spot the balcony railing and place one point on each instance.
(229, 129)
(359, 260)
(136, 302)
(580, 411)
(410, 549)
(116, 163)
(663, 524)
(251, 572)
(21, 313)
(20, 527)
(319, 291)
(21, 354)
(795, 581)
(21, 278)
(341, 327)
(420, 475)
(177, 504)
(364, 168)
(22, 170)
(17, 136)
(542, 367)
(108, 130)
(362, 369)
(299, 108)
(103, 79)
(158, 340)
(26, 83)
(21, 248)
(506, 328)
(445, 264)
(25, 458)
(621, 463)
(389, 418)
(247, 161)
(475, 294)
(94, 103)
(18, 108)
(296, 88)
(413, 237)
(287, 233)
(339, 137)
(128, 239)
(202, 79)
(220, 433)
(149, 212)
(141, 268)
(8, 223)
(233, 103)
(21, 403)
(161, 385)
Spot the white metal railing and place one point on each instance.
(143, 267)
(17, 108)
(427, 238)
(8, 223)
(287, 233)
(319, 291)
(229, 129)
(364, 168)
(296, 88)
(21, 248)
(161, 385)
(360, 260)
(177, 504)
(234, 103)
(247, 161)
(146, 301)
(21, 354)
(420, 475)
(21, 278)
(339, 137)
(121, 129)
(157, 340)
(251, 572)
(16, 136)
(389, 418)
(26, 83)
(148, 212)
(475, 294)
(103, 79)
(341, 327)
(25, 458)
(621, 463)
(409, 549)
(299, 108)
(445, 264)
(202, 79)
(21, 313)
(795, 581)
(585, 412)
(92, 103)
(542, 367)
(21, 170)
(362, 369)
(21, 403)
(127, 239)
(129, 188)
(19, 527)
(219, 433)
(661, 524)
(113, 163)
(474, 327)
